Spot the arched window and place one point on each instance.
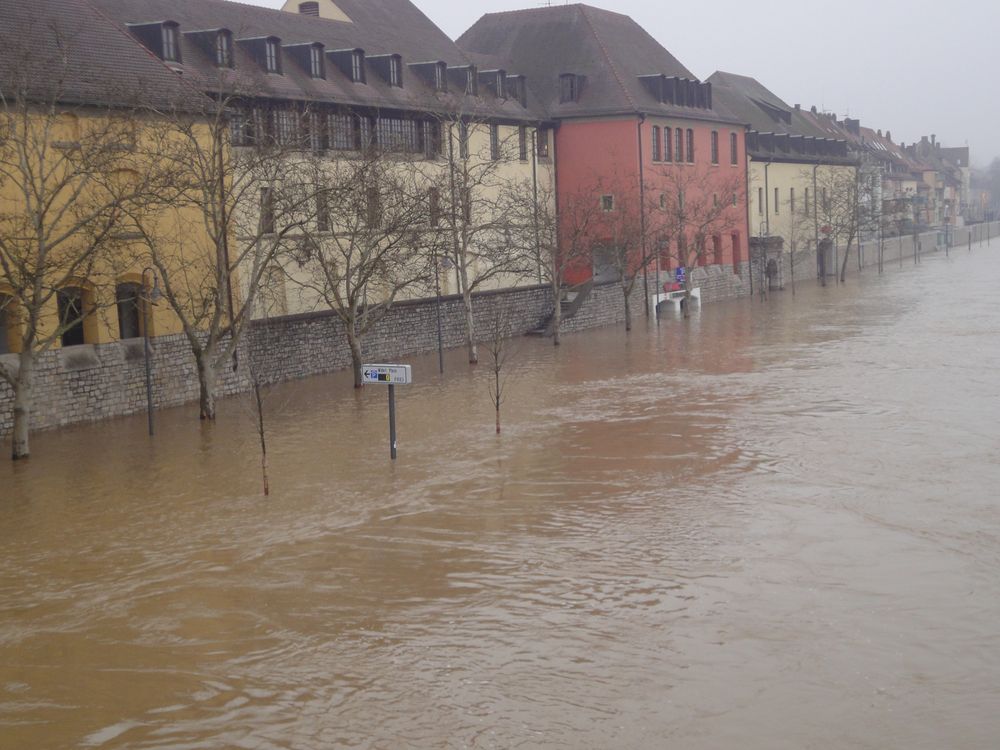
(71, 303)
(129, 302)
(170, 39)
(668, 145)
(656, 143)
(690, 145)
(358, 66)
(734, 155)
(715, 147)
(272, 55)
(316, 61)
(679, 145)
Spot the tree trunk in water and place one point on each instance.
(470, 329)
(557, 315)
(496, 400)
(628, 311)
(843, 266)
(23, 397)
(206, 382)
(355, 344)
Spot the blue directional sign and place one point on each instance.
(386, 374)
(679, 275)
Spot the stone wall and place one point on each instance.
(92, 382)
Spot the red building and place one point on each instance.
(636, 132)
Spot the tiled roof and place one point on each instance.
(610, 51)
(379, 27)
(65, 50)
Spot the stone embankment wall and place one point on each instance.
(92, 382)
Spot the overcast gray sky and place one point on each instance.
(911, 67)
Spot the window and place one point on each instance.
(364, 136)
(266, 211)
(463, 140)
(668, 145)
(542, 136)
(805, 203)
(373, 207)
(397, 134)
(656, 143)
(309, 9)
(358, 66)
(440, 77)
(663, 200)
(607, 203)
(467, 205)
(734, 155)
(679, 145)
(735, 240)
(341, 132)
(791, 201)
(432, 139)
(690, 145)
(322, 212)
(71, 313)
(395, 71)
(471, 86)
(717, 249)
(680, 199)
(434, 206)
(318, 136)
(240, 129)
(224, 49)
(522, 143)
(6, 336)
(501, 85)
(715, 147)
(760, 200)
(569, 88)
(777, 203)
(494, 141)
(734, 199)
(715, 200)
(128, 300)
(287, 129)
(316, 61)
(171, 50)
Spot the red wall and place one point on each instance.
(602, 157)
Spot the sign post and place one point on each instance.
(391, 375)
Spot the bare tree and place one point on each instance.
(840, 208)
(475, 210)
(695, 209)
(231, 162)
(369, 241)
(501, 352)
(69, 179)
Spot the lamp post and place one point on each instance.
(150, 296)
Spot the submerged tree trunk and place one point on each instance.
(262, 433)
(496, 399)
(843, 266)
(23, 401)
(628, 308)
(354, 342)
(470, 325)
(556, 313)
(207, 379)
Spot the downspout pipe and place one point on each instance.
(642, 217)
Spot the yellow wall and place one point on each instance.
(124, 259)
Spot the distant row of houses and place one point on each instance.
(363, 157)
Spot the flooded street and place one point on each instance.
(775, 525)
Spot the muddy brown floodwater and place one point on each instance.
(774, 526)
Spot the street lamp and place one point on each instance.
(149, 298)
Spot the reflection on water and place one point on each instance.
(772, 526)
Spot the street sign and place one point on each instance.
(679, 274)
(386, 374)
(390, 375)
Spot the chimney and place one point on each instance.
(879, 132)
(933, 137)
(798, 107)
(888, 136)
(813, 109)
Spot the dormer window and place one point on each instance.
(395, 71)
(316, 61)
(358, 66)
(170, 42)
(470, 81)
(569, 88)
(501, 85)
(440, 77)
(224, 49)
(272, 56)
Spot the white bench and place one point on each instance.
(674, 299)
